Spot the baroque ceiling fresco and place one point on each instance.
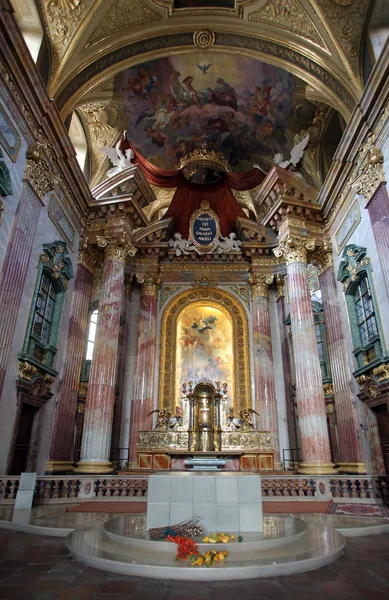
(238, 105)
(248, 75)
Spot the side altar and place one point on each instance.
(203, 436)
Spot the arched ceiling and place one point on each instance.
(307, 52)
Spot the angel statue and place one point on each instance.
(246, 417)
(163, 418)
(118, 159)
(296, 155)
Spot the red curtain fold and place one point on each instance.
(188, 198)
(246, 181)
(188, 195)
(154, 175)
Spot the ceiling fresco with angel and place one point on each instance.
(239, 105)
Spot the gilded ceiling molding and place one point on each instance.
(203, 39)
(346, 22)
(116, 61)
(104, 124)
(64, 21)
(121, 15)
(289, 15)
(191, 11)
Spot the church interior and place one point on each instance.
(194, 283)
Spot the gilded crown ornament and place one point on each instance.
(202, 158)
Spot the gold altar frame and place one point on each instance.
(228, 304)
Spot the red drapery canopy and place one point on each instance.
(189, 196)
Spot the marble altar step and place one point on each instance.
(284, 548)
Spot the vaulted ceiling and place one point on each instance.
(124, 64)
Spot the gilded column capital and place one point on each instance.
(39, 172)
(117, 247)
(86, 258)
(294, 249)
(150, 284)
(115, 252)
(323, 258)
(260, 285)
(279, 286)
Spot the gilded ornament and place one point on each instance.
(346, 19)
(121, 15)
(63, 19)
(39, 171)
(373, 390)
(204, 39)
(27, 371)
(328, 389)
(382, 372)
(260, 285)
(289, 15)
(115, 252)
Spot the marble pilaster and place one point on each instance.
(142, 401)
(348, 443)
(315, 448)
(378, 209)
(96, 438)
(265, 396)
(14, 270)
(61, 450)
(286, 367)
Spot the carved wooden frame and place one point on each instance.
(225, 302)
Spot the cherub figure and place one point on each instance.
(246, 418)
(163, 418)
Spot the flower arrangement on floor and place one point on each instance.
(189, 528)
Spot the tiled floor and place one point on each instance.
(34, 567)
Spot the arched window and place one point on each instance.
(79, 141)
(44, 323)
(366, 331)
(29, 22)
(91, 335)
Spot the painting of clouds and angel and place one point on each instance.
(204, 347)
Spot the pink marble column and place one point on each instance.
(265, 395)
(315, 448)
(348, 443)
(14, 271)
(96, 438)
(378, 209)
(116, 451)
(61, 451)
(142, 400)
(286, 368)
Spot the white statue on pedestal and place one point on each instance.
(119, 160)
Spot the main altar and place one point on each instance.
(205, 435)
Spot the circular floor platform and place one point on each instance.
(286, 546)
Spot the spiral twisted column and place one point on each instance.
(142, 401)
(61, 450)
(96, 438)
(315, 447)
(265, 395)
(349, 446)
